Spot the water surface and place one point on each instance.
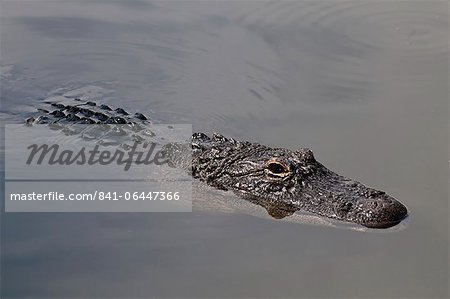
(364, 84)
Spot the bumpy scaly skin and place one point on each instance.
(83, 112)
(281, 180)
(284, 181)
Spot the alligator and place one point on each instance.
(281, 180)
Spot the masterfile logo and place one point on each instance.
(95, 168)
(52, 154)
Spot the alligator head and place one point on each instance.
(284, 181)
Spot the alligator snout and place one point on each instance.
(351, 201)
(380, 212)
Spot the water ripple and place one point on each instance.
(397, 25)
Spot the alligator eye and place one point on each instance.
(277, 169)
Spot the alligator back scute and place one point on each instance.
(71, 115)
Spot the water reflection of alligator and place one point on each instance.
(282, 181)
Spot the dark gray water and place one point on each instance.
(365, 84)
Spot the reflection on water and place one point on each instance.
(362, 83)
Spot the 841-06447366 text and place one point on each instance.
(98, 195)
